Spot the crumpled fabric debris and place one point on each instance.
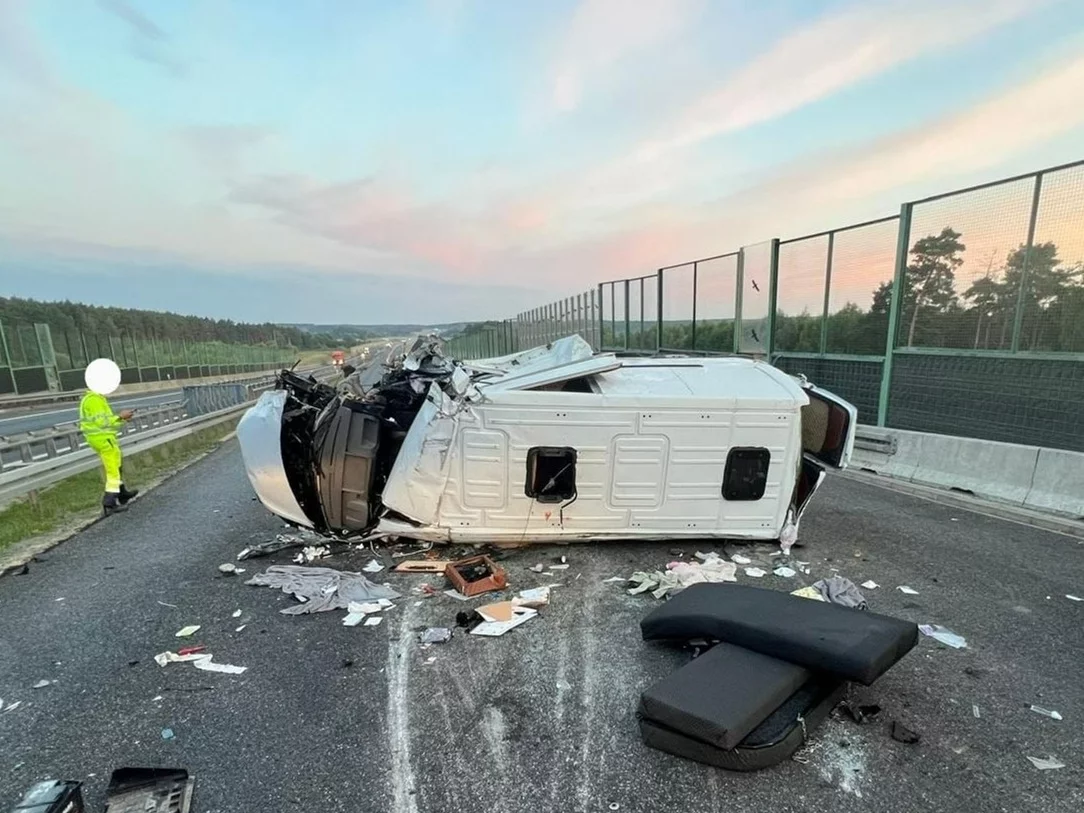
(840, 590)
(320, 588)
(679, 575)
(300, 539)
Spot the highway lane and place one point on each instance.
(331, 718)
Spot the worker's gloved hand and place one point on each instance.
(126, 414)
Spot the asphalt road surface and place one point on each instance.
(331, 718)
(15, 422)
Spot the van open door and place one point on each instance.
(828, 427)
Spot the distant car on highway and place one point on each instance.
(553, 443)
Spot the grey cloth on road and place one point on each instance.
(839, 590)
(320, 588)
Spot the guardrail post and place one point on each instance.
(903, 247)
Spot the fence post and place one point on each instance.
(626, 314)
(6, 359)
(903, 247)
(737, 299)
(773, 293)
(696, 276)
(827, 291)
(1018, 317)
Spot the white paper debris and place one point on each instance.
(910, 591)
(236, 613)
(785, 572)
(385, 603)
(207, 665)
(1048, 764)
(559, 567)
(240, 627)
(755, 572)
(457, 595)
(520, 615)
(537, 568)
(738, 559)
(373, 566)
(187, 632)
(870, 585)
(364, 607)
(975, 711)
(41, 684)
(353, 619)
(373, 620)
(613, 579)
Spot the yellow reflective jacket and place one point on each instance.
(96, 418)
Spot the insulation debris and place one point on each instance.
(320, 588)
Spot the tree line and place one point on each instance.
(159, 325)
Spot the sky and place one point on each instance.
(353, 161)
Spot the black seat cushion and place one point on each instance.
(723, 695)
(849, 644)
(774, 740)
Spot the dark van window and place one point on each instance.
(551, 473)
(746, 473)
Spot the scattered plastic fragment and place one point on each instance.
(975, 711)
(559, 567)
(436, 635)
(186, 632)
(870, 584)
(534, 597)
(738, 559)
(457, 595)
(373, 566)
(1053, 715)
(373, 620)
(901, 733)
(236, 613)
(163, 658)
(785, 572)
(563, 686)
(943, 635)
(41, 684)
(861, 714)
(365, 607)
(1048, 764)
(907, 590)
(13, 706)
(353, 619)
(281, 542)
(230, 569)
(808, 592)
(430, 660)
(537, 568)
(167, 733)
(1073, 598)
(240, 628)
(755, 572)
(191, 650)
(164, 604)
(422, 566)
(207, 665)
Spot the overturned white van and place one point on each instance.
(554, 443)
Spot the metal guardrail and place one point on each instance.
(55, 454)
(874, 441)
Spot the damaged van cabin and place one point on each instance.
(553, 443)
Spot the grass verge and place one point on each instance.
(80, 497)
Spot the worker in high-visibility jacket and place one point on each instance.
(99, 426)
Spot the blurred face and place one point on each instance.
(102, 376)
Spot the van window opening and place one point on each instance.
(551, 474)
(746, 473)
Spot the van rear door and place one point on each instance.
(828, 427)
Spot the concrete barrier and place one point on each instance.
(1047, 479)
(1058, 484)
